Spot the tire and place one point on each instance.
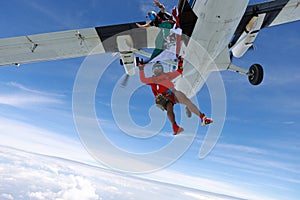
(256, 74)
(121, 62)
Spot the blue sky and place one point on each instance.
(256, 156)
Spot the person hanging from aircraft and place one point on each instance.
(168, 23)
(166, 95)
(161, 19)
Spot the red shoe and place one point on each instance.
(205, 120)
(177, 129)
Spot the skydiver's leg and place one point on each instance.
(182, 99)
(170, 112)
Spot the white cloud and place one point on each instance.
(202, 197)
(38, 177)
(228, 188)
(267, 166)
(7, 197)
(27, 89)
(24, 100)
(35, 139)
(23, 97)
(32, 176)
(252, 158)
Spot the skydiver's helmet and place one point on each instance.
(157, 69)
(151, 15)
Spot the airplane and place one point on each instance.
(215, 31)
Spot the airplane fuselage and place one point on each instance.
(207, 49)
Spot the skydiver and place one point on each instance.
(163, 20)
(166, 95)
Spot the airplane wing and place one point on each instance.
(73, 43)
(260, 16)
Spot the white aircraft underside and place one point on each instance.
(213, 30)
(216, 29)
(217, 21)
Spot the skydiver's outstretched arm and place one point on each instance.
(142, 74)
(161, 6)
(143, 25)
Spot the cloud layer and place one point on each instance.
(36, 177)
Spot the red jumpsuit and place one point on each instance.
(162, 84)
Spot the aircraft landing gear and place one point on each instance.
(255, 74)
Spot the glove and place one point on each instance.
(140, 64)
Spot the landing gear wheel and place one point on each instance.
(255, 74)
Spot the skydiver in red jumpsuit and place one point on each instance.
(166, 95)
